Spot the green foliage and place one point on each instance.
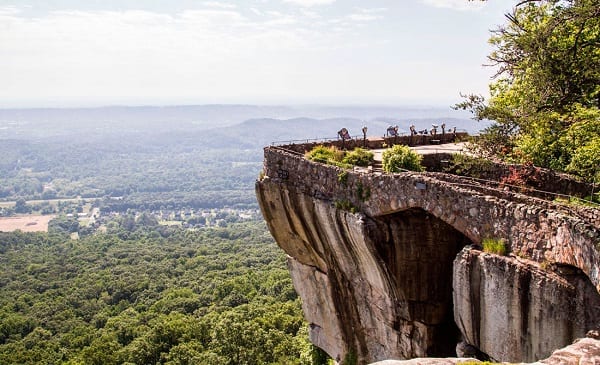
(586, 161)
(328, 155)
(333, 156)
(147, 171)
(318, 356)
(546, 96)
(399, 158)
(495, 246)
(350, 358)
(213, 296)
(345, 205)
(467, 165)
(63, 224)
(588, 201)
(362, 193)
(358, 157)
(343, 177)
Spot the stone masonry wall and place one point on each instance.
(539, 233)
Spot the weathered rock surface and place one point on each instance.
(585, 351)
(379, 284)
(427, 361)
(517, 311)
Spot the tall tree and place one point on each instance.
(545, 97)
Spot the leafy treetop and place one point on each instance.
(545, 96)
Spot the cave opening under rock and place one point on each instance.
(418, 251)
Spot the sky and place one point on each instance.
(161, 52)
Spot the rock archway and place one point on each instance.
(418, 250)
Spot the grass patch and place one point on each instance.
(495, 246)
(588, 201)
(363, 193)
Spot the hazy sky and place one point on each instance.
(94, 52)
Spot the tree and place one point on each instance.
(545, 96)
(21, 206)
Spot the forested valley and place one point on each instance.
(149, 295)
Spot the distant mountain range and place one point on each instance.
(246, 126)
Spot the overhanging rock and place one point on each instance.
(386, 267)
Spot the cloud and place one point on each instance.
(359, 16)
(208, 53)
(216, 4)
(455, 4)
(308, 3)
(9, 10)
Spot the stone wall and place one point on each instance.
(372, 254)
(539, 230)
(538, 179)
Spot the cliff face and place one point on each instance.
(400, 279)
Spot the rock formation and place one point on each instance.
(388, 265)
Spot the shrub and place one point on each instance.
(359, 157)
(325, 154)
(469, 166)
(343, 177)
(494, 245)
(345, 205)
(400, 158)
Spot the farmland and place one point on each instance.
(28, 223)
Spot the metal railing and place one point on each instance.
(358, 137)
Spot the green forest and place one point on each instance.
(213, 296)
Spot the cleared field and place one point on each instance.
(30, 223)
(53, 202)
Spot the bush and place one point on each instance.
(466, 165)
(400, 158)
(345, 205)
(323, 154)
(359, 157)
(494, 245)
